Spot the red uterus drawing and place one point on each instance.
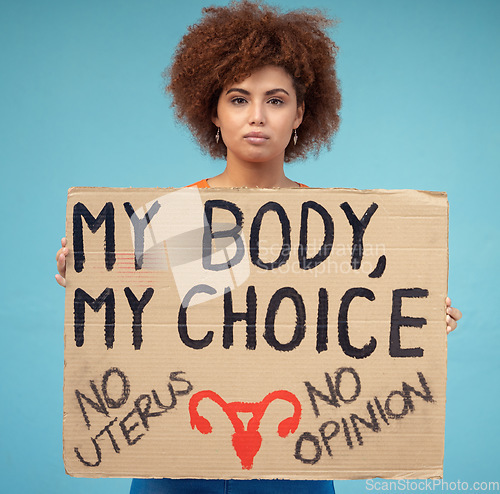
(246, 442)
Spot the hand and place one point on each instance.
(61, 262)
(452, 316)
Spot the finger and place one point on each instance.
(454, 313)
(61, 260)
(60, 280)
(64, 241)
(62, 250)
(448, 301)
(61, 264)
(451, 324)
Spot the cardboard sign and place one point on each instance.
(255, 333)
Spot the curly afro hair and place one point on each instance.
(232, 42)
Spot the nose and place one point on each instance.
(257, 114)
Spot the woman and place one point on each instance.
(259, 88)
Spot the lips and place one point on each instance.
(256, 137)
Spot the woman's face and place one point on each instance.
(257, 116)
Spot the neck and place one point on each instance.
(249, 174)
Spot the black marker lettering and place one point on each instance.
(140, 225)
(107, 215)
(159, 404)
(379, 268)
(285, 236)
(127, 430)
(381, 410)
(300, 322)
(372, 424)
(307, 436)
(344, 340)
(234, 233)
(230, 317)
(314, 392)
(137, 307)
(97, 405)
(389, 407)
(182, 319)
(326, 438)
(125, 388)
(339, 374)
(326, 247)
(358, 230)
(107, 430)
(398, 320)
(407, 389)
(97, 452)
(347, 433)
(106, 297)
(174, 377)
(144, 412)
(322, 321)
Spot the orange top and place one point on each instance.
(203, 184)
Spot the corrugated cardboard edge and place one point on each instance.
(76, 189)
(429, 473)
(446, 341)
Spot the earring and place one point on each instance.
(295, 137)
(217, 136)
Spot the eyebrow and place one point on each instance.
(271, 92)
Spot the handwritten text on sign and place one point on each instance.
(287, 306)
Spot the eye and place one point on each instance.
(238, 100)
(276, 101)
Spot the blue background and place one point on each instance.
(82, 104)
